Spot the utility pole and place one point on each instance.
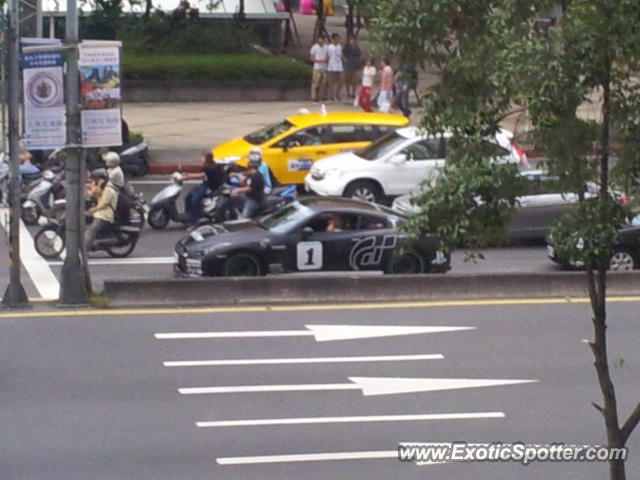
(74, 288)
(15, 295)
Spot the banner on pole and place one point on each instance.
(100, 99)
(44, 108)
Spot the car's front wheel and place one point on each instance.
(242, 265)
(622, 260)
(407, 263)
(363, 190)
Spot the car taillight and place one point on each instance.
(522, 158)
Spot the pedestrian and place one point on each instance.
(319, 58)
(403, 84)
(368, 77)
(352, 65)
(386, 86)
(335, 68)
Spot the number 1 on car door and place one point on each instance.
(309, 255)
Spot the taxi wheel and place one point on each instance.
(242, 265)
(406, 263)
(363, 190)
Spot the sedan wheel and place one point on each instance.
(363, 190)
(622, 261)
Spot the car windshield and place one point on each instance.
(381, 147)
(286, 218)
(267, 133)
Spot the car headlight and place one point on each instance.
(228, 159)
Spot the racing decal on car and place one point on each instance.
(299, 164)
(309, 255)
(368, 251)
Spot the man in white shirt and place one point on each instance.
(319, 57)
(335, 67)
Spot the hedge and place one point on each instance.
(225, 68)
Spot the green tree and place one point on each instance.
(495, 56)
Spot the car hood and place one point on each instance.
(341, 161)
(226, 234)
(238, 147)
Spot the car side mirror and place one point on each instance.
(307, 232)
(398, 158)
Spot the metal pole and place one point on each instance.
(73, 281)
(39, 18)
(15, 295)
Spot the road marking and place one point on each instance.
(161, 182)
(369, 386)
(126, 261)
(335, 307)
(296, 361)
(314, 457)
(321, 333)
(355, 419)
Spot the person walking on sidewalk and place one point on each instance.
(386, 87)
(352, 65)
(335, 68)
(319, 57)
(368, 77)
(403, 84)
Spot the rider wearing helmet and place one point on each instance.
(106, 196)
(116, 175)
(252, 192)
(256, 155)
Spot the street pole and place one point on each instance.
(15, 295)
(74, 289)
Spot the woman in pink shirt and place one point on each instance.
(386, 87)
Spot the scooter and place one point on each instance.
(221, 207)
(41, 196)
(118, 242)
(134, 158)
(163, 207)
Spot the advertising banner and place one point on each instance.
(44, 108)
(100, 99)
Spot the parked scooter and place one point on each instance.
(119, 241)
(134, 158)
(40, 197)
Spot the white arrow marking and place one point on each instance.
(355, 419)
(369, 385)
(294, 361)
(322, 333)
(314, 457)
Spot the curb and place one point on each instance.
(354, 288)
(156, 168)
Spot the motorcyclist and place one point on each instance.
(256, 154)
(116, 175)
(27, 168)
(212, 175)
(252, 193)
(106, 197)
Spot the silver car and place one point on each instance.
(536, 211)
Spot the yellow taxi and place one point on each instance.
(290, 147)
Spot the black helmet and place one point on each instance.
(99, 173)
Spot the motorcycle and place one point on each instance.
(41, 196)
(118, 242)
(134, 158)
(163, 207)
(222, 208)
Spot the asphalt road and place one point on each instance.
(153, 255)
(87, 396)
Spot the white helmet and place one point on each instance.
(112, 159)
(255, 157)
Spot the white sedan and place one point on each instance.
(394, 165)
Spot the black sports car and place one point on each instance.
(312, 234)
(626, 250)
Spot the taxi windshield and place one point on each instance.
(381, 147)
(283, 220)
(267, 133)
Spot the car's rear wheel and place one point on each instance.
(407, 263)
(242, 265)
(622, 260)
(363, 190)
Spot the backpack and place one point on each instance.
(121, 214)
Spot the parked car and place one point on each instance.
(626, 250)
(311, 234)
(394, 164)
(537, 209)
(291, 146)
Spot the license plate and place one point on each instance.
(551, 252)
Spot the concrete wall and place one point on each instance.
(185, 91)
